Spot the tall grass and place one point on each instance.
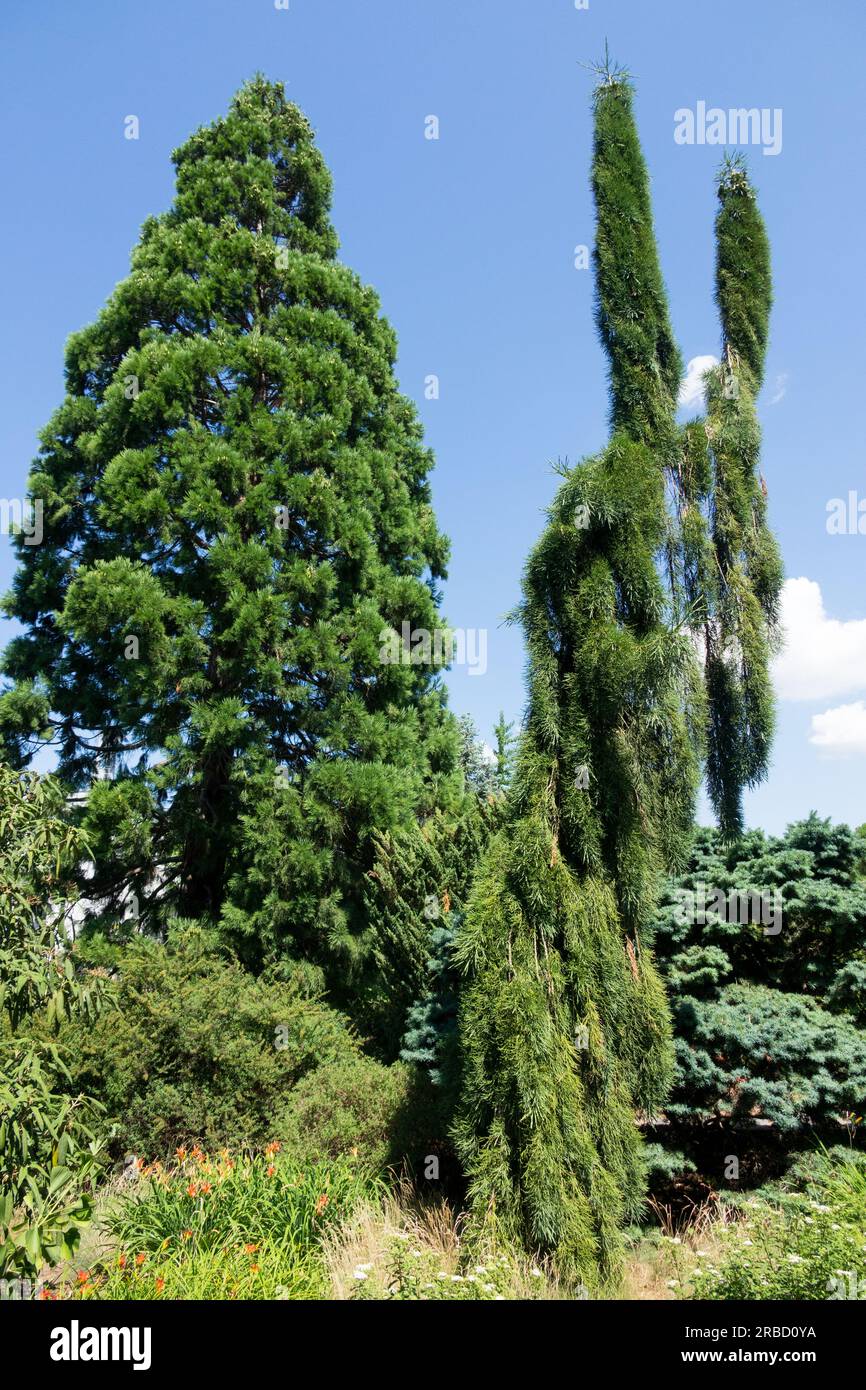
(401, 1246)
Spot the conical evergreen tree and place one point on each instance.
(504, 750)
(564, 1026)
(236, 508)
(734, 567)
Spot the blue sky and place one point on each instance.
(469, 240)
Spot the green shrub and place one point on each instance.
(223, 1200)
(799, 1251)
(347, 1107)
(665, 1165)
(51, 1138)
(197, 1049)
(803, 1245)
(768, 1025)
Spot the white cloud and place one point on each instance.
(780, 386)
(841, 730)
(823, 657)
(691, 394)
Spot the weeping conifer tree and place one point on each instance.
(733, 566)
(564, 1026)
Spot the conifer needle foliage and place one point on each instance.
(236, 506)
(733, 561)
(564, 1027)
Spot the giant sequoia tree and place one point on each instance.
(235, 506)
(564, 1027)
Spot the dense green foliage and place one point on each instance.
(804, 1244)
(360, 1108)
(320, 912)
(419, 881)
(236, 511)
(733, 570)
(769, 1015)
(49, 1131)
(236, 1225)
(196, 1048)
(430, 1040)
(563, 1022)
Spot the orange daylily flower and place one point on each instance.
(250, 1249)
(254, 1269)
(205, 1187)
(274, 1147)
(140, 1259)
(191, 1190)
(83, 1276)
(321, 1203)
(187, 1235)
(271, 1170)
(121, 1262)
(160, 1285)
